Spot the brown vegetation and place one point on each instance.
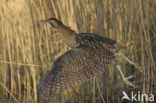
(28, 47)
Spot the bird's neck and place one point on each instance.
(68, 35)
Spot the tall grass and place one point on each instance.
(28, 48)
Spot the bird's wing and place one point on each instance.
(75, 66)
(94, 38)
(98, 42)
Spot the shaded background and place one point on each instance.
(28, 47)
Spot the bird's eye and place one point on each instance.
(52, 25)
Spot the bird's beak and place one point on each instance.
(44, 21)
(47, 22)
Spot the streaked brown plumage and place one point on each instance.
(89, 56)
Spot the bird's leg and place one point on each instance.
(119, 68)
(124, 78)
(135, 64)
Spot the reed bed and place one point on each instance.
(28, 47)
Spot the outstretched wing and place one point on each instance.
(98, 42)
(90, 38)
(75, 66)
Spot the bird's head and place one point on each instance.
(67, 34)
(52, 22)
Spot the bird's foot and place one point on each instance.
(127, 82)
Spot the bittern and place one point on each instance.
(89, 56)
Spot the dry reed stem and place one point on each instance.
(9, 92)
(9, 62)
(99, 91)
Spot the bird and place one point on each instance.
(89, 56)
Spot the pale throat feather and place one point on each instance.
(68, 35)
